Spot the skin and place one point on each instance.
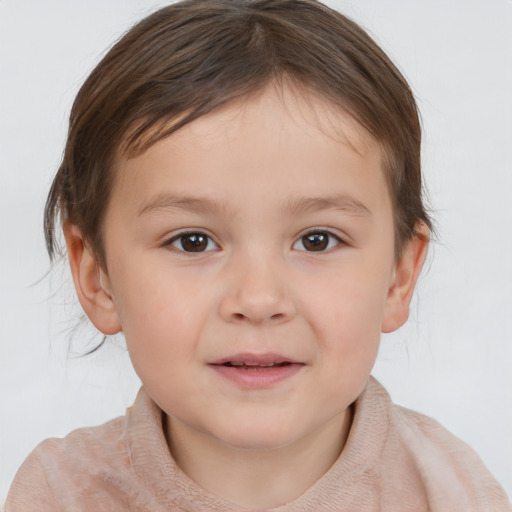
(255, 289)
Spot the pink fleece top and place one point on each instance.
(395, 460)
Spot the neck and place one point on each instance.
(258, 478)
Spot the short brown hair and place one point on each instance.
(191, 57)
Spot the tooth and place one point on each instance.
(260, 364)
(239, 364)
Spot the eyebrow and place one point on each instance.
(339, 202)
(190, 204)
(296, 206)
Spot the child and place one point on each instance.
(241, 196)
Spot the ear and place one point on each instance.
(407, 270)
(91, 283)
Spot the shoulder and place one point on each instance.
(446, 468)
(57, 467)
(433, 447)
(93, 468)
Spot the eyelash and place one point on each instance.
(181, 236)
(330, 237)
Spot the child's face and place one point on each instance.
(251, 185)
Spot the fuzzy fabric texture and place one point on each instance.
(395, 460)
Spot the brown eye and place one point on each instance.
(194, 242)
(317, 241)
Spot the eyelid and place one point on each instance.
(311, 231)
(169, 241)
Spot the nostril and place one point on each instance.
(275, 317)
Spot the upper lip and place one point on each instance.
(255, 359)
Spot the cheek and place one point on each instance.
(348, 305)
(346, 317)
(161, 315)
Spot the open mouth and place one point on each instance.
(256, 371)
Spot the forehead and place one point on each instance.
(291, 98)
(281, 135)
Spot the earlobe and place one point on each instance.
(91, 283)
(406, 274)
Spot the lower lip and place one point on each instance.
(258, 378)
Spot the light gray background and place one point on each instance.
(453, 360)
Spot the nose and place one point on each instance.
(257, 293)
